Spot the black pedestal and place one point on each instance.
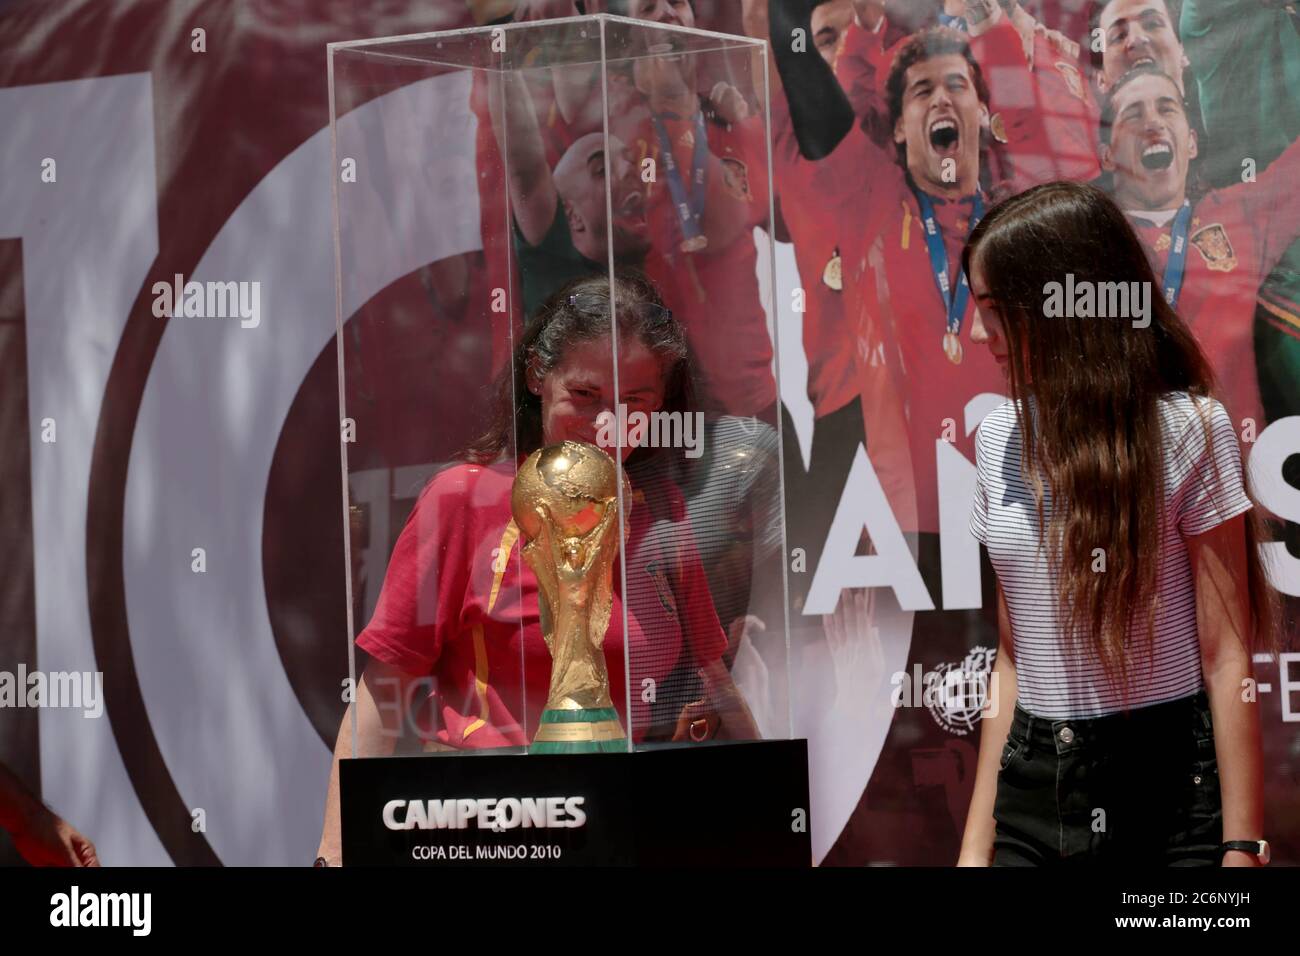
(733, 804)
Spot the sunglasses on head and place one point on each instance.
(597, 303)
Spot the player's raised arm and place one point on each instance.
(1041, 108)
(982, 14)
(528, 177)
(820, 111)
(575, 85)
(1272, 204)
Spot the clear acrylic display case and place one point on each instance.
(489, 186)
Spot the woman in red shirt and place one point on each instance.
(457, 621)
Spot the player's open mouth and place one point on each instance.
(944, 136)
(1159, 155)
(1145, 60)
(631, 210)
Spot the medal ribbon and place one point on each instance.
(689, 209)
(954, 303)
(1176, 264)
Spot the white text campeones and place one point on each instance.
(486, 813)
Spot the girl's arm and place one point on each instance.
(379, 724)
(977, 840)
(1223, 620)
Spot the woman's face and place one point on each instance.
(987, 329)
(581, 386)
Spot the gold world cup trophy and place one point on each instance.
(565, 502)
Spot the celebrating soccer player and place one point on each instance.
(1213, 251)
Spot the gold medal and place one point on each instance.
(952, 347)
(695, 244)
(833, 274)
(998, 128)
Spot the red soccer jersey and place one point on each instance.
(913, 396)
(459, 604)
(827, 339)
(862, 66)
(714, 292)
(1043, 111)
(1236, 237)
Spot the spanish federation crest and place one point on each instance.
(663, 587)
(960, 691)
(735, 176)
(1215, 248)
(998, 127)
(1073, 78)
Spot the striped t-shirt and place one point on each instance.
(1056, 680)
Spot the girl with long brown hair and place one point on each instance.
(1110, 494)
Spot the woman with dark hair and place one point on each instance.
(457, 624)
(1131, 598)
(578, 314)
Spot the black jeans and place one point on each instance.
(1138, 788)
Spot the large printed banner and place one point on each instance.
(175, 585)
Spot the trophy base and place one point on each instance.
(579, 732)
